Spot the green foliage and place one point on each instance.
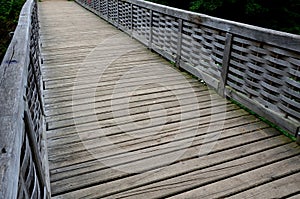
(9, 15)
(274, 14)
(205, 6)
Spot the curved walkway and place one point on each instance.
(124, 123)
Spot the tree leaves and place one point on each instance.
(274, 14)
(9, 15)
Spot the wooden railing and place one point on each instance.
(23, 156)
(257, 67)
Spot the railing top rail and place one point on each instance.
(12, 87)
(269, 36)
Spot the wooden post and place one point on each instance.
(99, 8)
(150, 30)
(131, 19)
(117, 20)
(179, 43)
(298, 137)
(225, 64)
(107, 9)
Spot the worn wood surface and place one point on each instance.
(261, 64)
(22, 160)
(124, 123)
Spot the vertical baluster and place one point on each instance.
(117, 18)
(225, 64)
(179, 43)
(131, 19)
(107, 9)
(150, 30)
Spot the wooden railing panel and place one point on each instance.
(29, 184)
(203, 47)
(124, 14)
(97, 6)
(23, 158)
(266, 75)
(255, 66)
(165, 35)
(141, 24)
(112, 7)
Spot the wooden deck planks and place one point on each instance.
(123, 123)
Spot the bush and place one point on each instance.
(9, 15)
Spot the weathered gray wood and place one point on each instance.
(288, 125)
(40, 170)
(72, 171)
(22, 53)
(283, 187)
(210, 48)
(245, 144)
(286, 40)
(12, 80)
(131, 20)
(117, 21)
(259, 175)
(190, 166)
(151, 30)
(225, 64)
(179, 43)
(107, 9)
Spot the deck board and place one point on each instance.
(122, 122)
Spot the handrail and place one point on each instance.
(23, 154)
(257, 67)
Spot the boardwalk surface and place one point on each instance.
(124, 123)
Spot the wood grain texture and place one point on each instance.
(259, 63)
(23, 170)
(124, 123)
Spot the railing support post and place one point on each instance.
(298, 137)
(150, 30)
(117, 20)
(131, 19)
(107, 9)
(179, 43)
(225, 64)
(99, 8)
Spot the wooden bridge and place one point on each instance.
(145, 102)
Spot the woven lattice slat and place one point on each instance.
(103, 7)
(29, 184)
(124, 14)
(113, 11)
(141, 24)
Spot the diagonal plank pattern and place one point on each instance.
(124, 123)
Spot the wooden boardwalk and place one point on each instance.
(124, 123)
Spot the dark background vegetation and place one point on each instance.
(282, 15)
(9, 15)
